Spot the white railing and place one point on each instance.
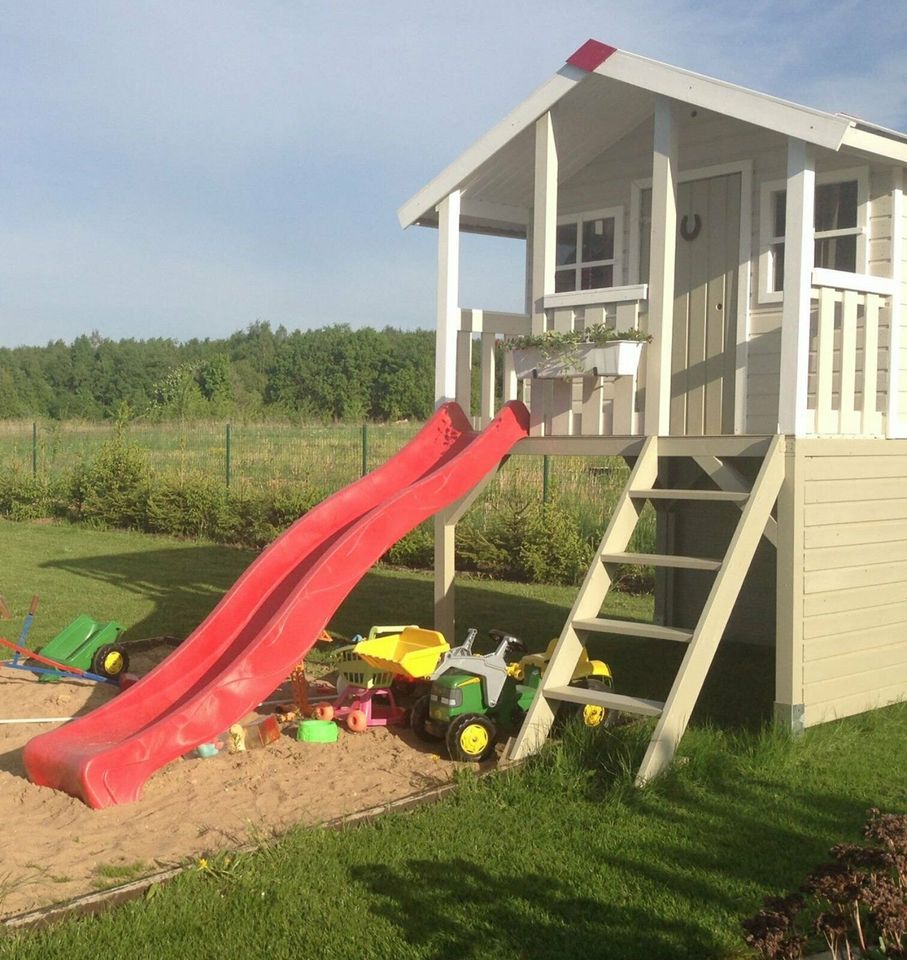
(849, 355)
(488, 325)
(591, 406)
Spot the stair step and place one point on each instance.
(631, 628)
(607, 699)
(662, 560)
(721, 496)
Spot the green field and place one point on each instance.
(558, 858)
(271, 455)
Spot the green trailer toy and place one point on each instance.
(476, 700)
(88, 645)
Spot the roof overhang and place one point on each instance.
(595, 99)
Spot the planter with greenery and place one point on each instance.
(598, 351)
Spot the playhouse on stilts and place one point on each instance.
(761, 244)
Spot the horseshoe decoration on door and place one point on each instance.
(686, 231)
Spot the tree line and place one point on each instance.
(332, 373)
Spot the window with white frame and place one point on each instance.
(841, 216)
(588, 253)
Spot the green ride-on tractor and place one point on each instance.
(477, 700)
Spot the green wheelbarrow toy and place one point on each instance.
(86, 649)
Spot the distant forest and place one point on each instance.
(333, 373)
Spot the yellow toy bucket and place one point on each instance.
(411, 652)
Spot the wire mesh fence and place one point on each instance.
(322, 457)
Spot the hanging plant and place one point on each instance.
(597, 351)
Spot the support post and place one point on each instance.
(445, 568)
(661, 267)
(798, 266)
(894, 427)
(448, 313)
(34, 449)
(544, 245)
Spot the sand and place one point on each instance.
(56, 848)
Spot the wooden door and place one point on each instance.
(704, 349)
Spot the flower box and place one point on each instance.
(617, 358)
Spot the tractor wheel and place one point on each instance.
(356, 721)
(418, 720)
(110, 661)
(470, 738)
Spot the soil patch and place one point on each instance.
(58, 848)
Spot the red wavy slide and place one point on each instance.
(271, 616)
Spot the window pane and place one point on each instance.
(836, 206)
(779, 204)
(595, 277)
(566, 244)
(564, 280)
(598, 239)
(777, 266)
(837, 253)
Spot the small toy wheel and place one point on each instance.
(592, 714)
(418, 720)
(324, 711)
(110, 661)
(470, 737)
(356, 721)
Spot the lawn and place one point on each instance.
(560, 858)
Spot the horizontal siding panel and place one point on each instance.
(818, 514)
(815, 713)
(822, 630)
(852, 559)
(849, 665)
(846, 491)
(869, 681)
(855, 467)
(846, 534)
(876, 591)
(848, 578)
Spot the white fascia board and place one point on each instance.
(864, 141)
(487, 146)
(805, 123)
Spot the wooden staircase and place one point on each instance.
(755, 503)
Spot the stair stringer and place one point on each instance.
(589, 599)
(715, 615)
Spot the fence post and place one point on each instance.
(34, 449)
(364, 449)
(227, 454)
(546, 478)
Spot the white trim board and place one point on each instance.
(829, 130)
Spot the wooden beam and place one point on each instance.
(448, 314)
(661, 268)
(798, 265)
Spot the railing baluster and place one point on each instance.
(848, 361)
(487, 370)
(825, 362)
(871, 420)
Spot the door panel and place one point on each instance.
(705, 306)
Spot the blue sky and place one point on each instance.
(184, 169)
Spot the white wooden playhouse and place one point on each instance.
(762, 244)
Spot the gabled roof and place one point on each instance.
(601, 94)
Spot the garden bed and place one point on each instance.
(58, 848)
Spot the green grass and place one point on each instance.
(560, 858)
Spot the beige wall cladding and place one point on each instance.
(853, 571)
